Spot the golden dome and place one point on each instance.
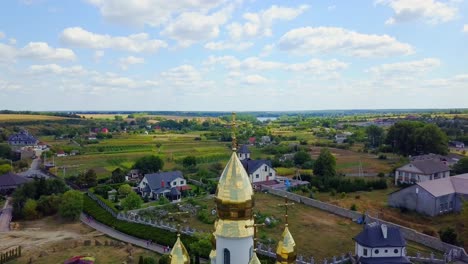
(233, 228)
(234, 185)
(179, 254)
(254, 259)
(286, 250)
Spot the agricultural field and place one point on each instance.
(21, 117)
(123, 150)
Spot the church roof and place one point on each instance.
(286, 250)
(234, 185)
(179, 254)
(380, 235)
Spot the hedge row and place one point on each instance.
(159, 236)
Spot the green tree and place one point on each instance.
(158, 146)
(125, 189)
(375, 135)
(49, 204)
(461, 166)
(71, 205)
(301, 157)
(202, 246)
(91, 178)
(189, 162)
(149, 260)
(149, 164)
(431, 139)
(132, 201)
(30, 209)
(325, 165)
(449, 235)
(5, 151)
(118, 176)
(4, 168)
(164, 259)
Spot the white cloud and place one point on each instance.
(254, 79)
(267, 50)
(2, 35)
(315, 40)
(183, 75)
(192, 27)
(35, 51)
(410, 69)
(124, 63)
(150, 12)
(42, 51)
(12, 41)
(260, 24)
(465, 28)
(98, 54)
(79, 37)
(222, 45)
(429, 11)
(317, 66)
(56, 69)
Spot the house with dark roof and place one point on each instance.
(379, 243)
(421, 170)
(169, 184)
(434, 197)
(449, 159)
(258, 170)
(10, 181)
(23, 138)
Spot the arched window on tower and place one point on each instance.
(227, 256)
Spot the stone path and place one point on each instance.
(5, 217)
(121, 236)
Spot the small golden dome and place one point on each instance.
(254, 259)
(234, 185)
(286, 250)
(179, 254)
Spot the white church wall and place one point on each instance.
(240, 249)
(381, 252)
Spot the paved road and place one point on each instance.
(121, 236)
(5, 217)
(34, 170)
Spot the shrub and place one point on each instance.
(382, 157)
(343, 195)
(145, 232)
(381, 175)
(30, 209)
(448, 235)
(353, 207)
(357, 197)
(429, 232)
(71, 205)
(332, 192)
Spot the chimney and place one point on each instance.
(162, 184)
(384, 230)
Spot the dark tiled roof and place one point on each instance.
(372, 236)
(430, 166)
(155, 179)
(174, 192)
(384, 260)
(244, 149)
(251, 166)
(24, 137)
(11, 179)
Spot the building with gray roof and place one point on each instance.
(379, 243)
(169, 184)
(23, 138)
(10, 181)
(421, 170)
(434, 197)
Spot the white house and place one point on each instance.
(257, 170)
(421, 170)
(168, 184)
(379, 243)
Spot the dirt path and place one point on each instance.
(5, 217)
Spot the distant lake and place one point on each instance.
(263, 118)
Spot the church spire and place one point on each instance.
(179, 254)
(286, 250)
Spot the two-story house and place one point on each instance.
(258, 170)
(23, 138)
(421, 170)
(169, 184)
(379, 243)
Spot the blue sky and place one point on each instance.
(235, 55)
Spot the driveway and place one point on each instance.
(34, 170)
(5, 217)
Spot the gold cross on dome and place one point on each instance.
(255, 227)
(177, 217)
(286, 204)
(234, 139)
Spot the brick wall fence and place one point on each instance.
(452, 252)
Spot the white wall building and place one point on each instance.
(421, 170)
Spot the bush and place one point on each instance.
(429, 232)
(71, 205)
(30, 210)
(449, 235)
(332, 192)
(353, 207)
(381, 175)
(357, 197)
(343, 195)
(382, 157)
(145, 232)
